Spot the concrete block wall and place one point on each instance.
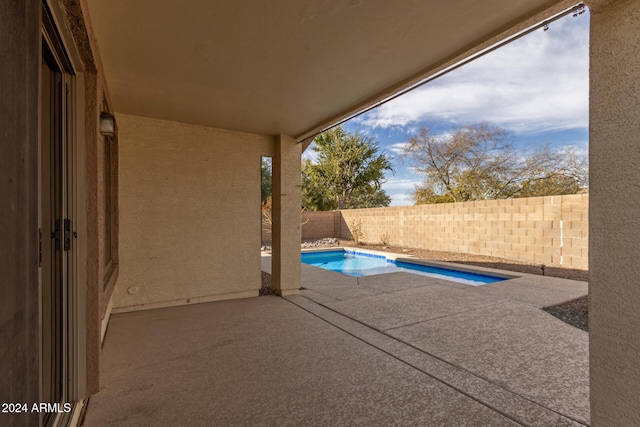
(548, 230)
(315, 225)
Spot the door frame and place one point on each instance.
(60, 41)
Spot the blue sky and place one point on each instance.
(537, 88)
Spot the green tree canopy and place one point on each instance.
(479, 162)
(348, 173)
(266, 182)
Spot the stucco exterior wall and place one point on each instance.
(100, 278)
(285, 261)
(549, 230)
(21, 23)
(189, 213)
(19, 302)
(614, 157)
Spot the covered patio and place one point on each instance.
(392, 349)
(130, 183)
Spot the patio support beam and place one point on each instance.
(286, 190)
(614, 216)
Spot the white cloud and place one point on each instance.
(396, 184)
(400, 190)
(401, 199)
(397, 148)
(310, 153)
(537, 83)
(411, 130)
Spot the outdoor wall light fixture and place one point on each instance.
(107, 124)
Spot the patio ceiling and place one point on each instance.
(285, 66)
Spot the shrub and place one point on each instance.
(356, 231)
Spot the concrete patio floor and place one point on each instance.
(395, 349)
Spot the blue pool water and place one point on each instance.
(360, 264)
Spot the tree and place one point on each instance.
(479, 162)
(563, 171)
(266, 182)
(348, 174)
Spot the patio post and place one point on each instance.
(286, 192)
(614, 216)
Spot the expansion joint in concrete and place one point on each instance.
(350, 325)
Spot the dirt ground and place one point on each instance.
(481, 260)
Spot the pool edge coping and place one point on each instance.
(419, 261)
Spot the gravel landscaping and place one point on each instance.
(481, 261)
(266, 288)
(575, 313)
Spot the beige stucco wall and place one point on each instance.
(285, 261)
(614, 157)
(549, 230)
(189, 213)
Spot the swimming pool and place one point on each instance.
(358, 264)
